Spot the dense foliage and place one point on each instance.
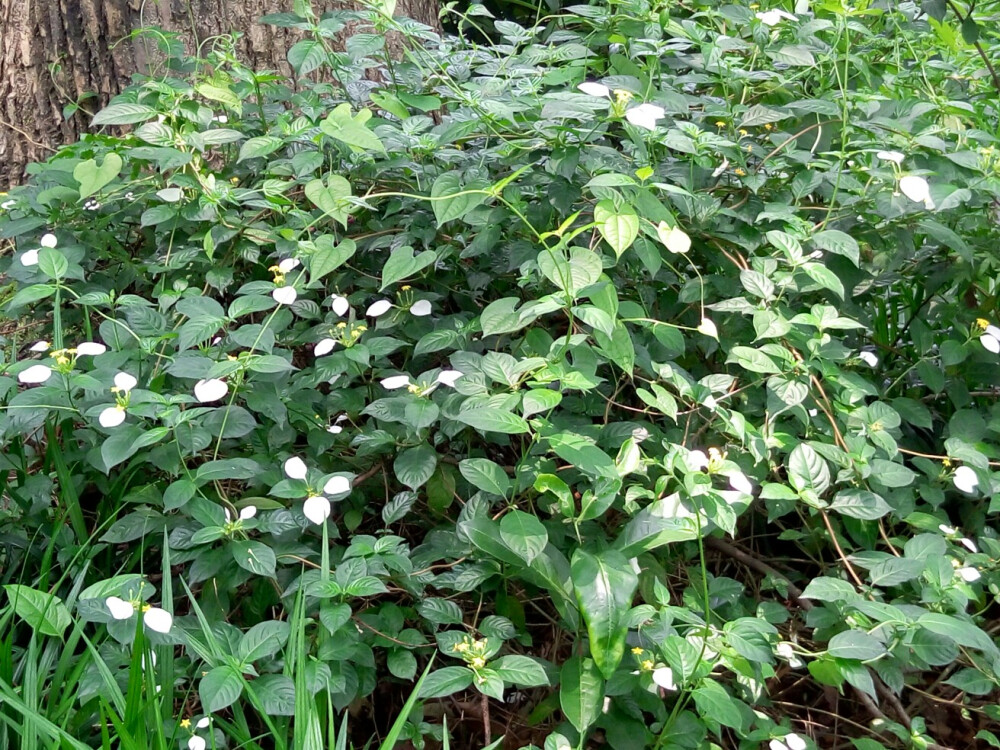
(653, 412)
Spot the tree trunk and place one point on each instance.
(54, 53)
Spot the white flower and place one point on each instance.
(210, 390)
(316, 509)
(675, 239)
(157, 619)
(395, 382)
(48, 240)
(285, 295)
(664, 677)
(645, 115)
(112, 416)
(965, 479)
(119, 608)
(288, 265)
(30, 258)
(591, 88)
(968, 544)
(295, 468)
(946, 529)
(894, 156)
(991, 339)
(324, 347)
(707, 327)
(203, 722)
(773, 17)
(90, 348)
(337, 486)
(721, 168)
(40, 346)
(381, 307)
(197, 743)
(420, 308)
(969, 575)
(34, 374)
(340, 305)
(740, 483)
(125, 382)
(869, 358)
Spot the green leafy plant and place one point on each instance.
(634, 367)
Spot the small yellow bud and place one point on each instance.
(739, 172)
(982, 323)
(647, 665)
(637, 651)
(743, 132)
(185, 723)
(720, 124)
(405, 288)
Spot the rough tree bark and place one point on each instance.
(52, 52)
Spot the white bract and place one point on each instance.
(119, 608)
(245, 513)
(788, 742)
(592, 88)
(965, 479)
(90, 348)
(395, 382)
(448, 377)
(34, 375)
(916, 189)
(197, 743)
(170, 195)
(48, 240)
(337, 486)
(869, 358)
(288, 264)
(675, 239)
(40, 346)
(324, 347)
(8, 204)
(203, 722)
(157, 619)
(969, 575)
(317, 509)
(340, 305)
(112, 416)
(946, 529)
(968, 544)
(707, 327)
(30, 258)
(285, 295)
(420, 308)
(125, 382)
(696, 460)
(991, 339)
(664, 677)
(381, 307)
(774, 17)
(210, 390)
(740, 483)
(721, 168)
(295, 468)
(335, 428)
(894, 156)
(645, 115)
